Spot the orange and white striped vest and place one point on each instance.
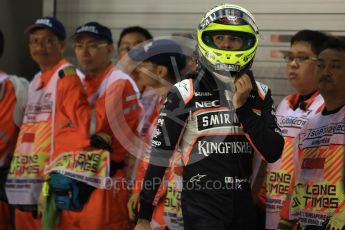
(279, 174)
(35, 143)
(13, 94)
(5, 147)
(318, 191)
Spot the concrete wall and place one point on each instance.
(277, 21)
(15, 16)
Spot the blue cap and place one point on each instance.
(96, 30)
(50, 23)
(161, 52)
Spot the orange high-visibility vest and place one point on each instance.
(318, 192)
(45, 119)
(13, 94)
(279, 174)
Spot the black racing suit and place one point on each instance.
(217, 145)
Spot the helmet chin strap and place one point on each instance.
(229, 81)
(224, 77)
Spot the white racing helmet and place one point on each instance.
(238, 26)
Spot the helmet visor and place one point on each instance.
(228, 40)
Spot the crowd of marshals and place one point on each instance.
(66, 115)
(292, 113)
(67, 138)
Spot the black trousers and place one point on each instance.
(203, 222)
(197, 223)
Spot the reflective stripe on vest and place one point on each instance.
(8, 136)
(112, 76)
(3, 77)
(20, 86)
(99, 92)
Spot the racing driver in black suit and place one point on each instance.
(217, 119)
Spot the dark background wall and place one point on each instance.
(15, 16)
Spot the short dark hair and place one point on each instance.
(315, 38)
(134, 29)
(335, 44)
(1, 43)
